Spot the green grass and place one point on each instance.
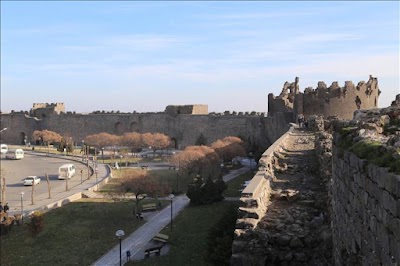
(76, 234)
(188, 240)
(235, 184)
(375, 153)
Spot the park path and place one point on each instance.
(139, 240)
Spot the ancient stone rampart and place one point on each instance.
(364, 192)
(184, 129)
(255, 197)
(335, 100)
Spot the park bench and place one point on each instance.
(171, 167)
(156, 250)
(149, 207)
(161, 238)
(139, 215)
(144, 167)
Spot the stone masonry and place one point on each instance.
(366, 197)
(289, 225)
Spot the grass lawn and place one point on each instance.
(235, 184)
(188, 240)
(76, 234)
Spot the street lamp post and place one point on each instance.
(83, 149)
(250, 162)
(120, 162)
(171, 197)
(22, 207)
(102, 154)
(120, 234)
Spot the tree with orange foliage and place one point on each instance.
(156, 141)
(47, 137)
(102, 140)
(132, 140)
(209, 157)
(229, 147)
(142, 185)
(189, 160)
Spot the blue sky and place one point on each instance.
(144, 56)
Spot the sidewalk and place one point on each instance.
(139, 240)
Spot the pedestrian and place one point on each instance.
(1, 207)
(6, 208)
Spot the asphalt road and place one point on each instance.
(14, 171)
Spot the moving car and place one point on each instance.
(66, 171)
(31, 180)
(17, 154)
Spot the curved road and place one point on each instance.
(14, 171)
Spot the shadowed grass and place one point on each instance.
(76, 234)
(236, 184)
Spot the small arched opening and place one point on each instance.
(118, 128)
(174, 143)
(134, 127)
(23, 138)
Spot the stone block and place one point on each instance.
(383, 238)
(238, 246)
(395, 185)
(362, 165)
(372, 172)
(389, 185)
(389, 203)
(373, 223)
(394, 227)
(393, 246)
(381, 176)
(397, 254)
(363, 179)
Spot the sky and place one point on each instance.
(142, 56)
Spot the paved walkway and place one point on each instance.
(139, 240)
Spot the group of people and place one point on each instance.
(5, 208)
(302, 121)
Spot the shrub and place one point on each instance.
(36, 223)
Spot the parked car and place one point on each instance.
(3, 148)
(31, 180)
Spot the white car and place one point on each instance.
(31, 180)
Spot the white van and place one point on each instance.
(66, 171)
(17, 154)
(3, 148)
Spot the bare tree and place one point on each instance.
(32, 194)
(48, 185)
(3, 190)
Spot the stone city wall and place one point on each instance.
(366, 212)
(364, 187)
(255, 197)
(183, 129)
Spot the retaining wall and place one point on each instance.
(255, 198)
